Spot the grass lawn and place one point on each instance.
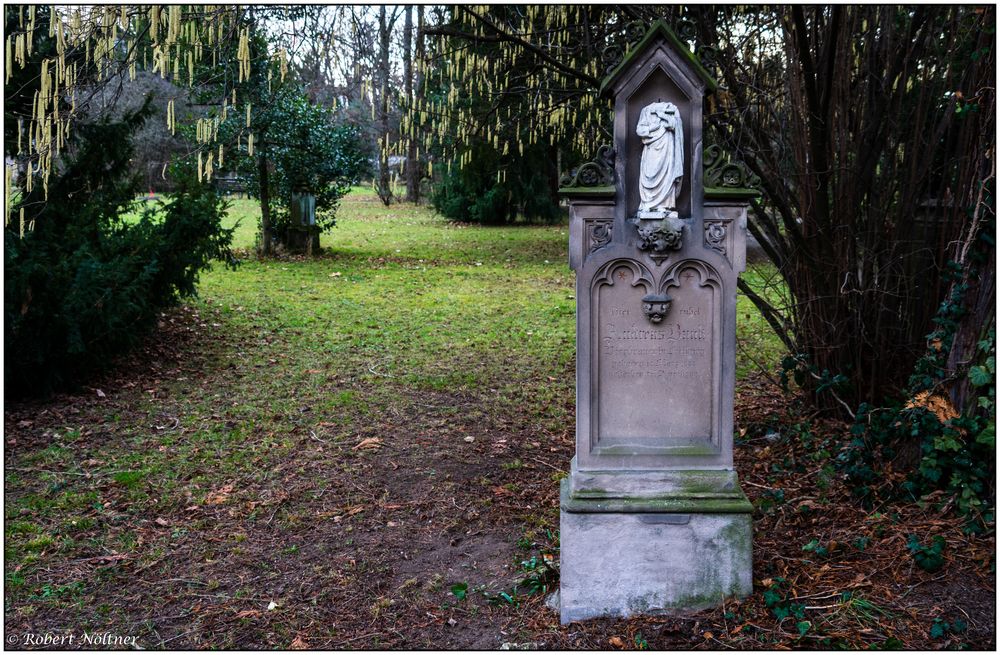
(362, 450)
(455, 268)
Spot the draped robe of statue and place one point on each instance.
(661, 168)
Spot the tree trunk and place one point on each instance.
(418, 83)
(412, 177)
(383, 188)
(266, 246)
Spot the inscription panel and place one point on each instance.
(656, 379)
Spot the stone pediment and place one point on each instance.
(659, 35)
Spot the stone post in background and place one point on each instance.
(652, 515)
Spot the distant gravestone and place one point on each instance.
(652, 515)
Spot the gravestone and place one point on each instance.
(652, 515)
(303, 233)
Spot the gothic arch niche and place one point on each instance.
(696, 313)
(657, 85)
(656, 377)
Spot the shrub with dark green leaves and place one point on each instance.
(475, 193)
(84, 281)
(307, 149)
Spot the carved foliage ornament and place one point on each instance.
(720, 172)
(658, 238)
(715, 235)
(600, 234)
(684, 28)
(598, 172)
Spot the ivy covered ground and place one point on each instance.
(363, 451)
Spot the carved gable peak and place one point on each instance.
(659, 32)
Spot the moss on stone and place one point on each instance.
(726, 193)
(659, 29)
(735, 504)
(588, 191)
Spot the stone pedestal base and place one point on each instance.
(303, 239)
(643, 561)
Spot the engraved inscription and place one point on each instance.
(656, 378)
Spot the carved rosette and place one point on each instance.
(715, 235)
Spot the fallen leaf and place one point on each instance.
(247, 613)
(369, 442)
(162, 521)
(299, 644)
(219, 496)
(616, 642)
(100, 394)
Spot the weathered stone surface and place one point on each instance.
(616, 564)
(656, 484)
(653, 518)
(646, 367)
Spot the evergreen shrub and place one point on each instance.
(85, 278)
(475, 193)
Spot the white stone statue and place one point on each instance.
(661, 169)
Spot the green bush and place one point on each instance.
(307, 150)
(84, 282)
(475, 194)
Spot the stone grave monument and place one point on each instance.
(652, 515)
